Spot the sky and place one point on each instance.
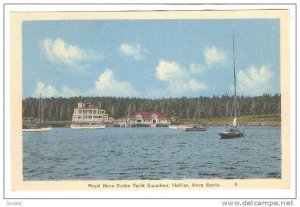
(150, 58)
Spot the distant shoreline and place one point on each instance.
(204, 122)
(249, 124)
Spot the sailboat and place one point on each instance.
(233, 131)
(39, 127)
(128, 124)
(198, 126)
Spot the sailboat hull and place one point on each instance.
(231, 134)
(37, 129)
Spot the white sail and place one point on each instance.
(234, 123)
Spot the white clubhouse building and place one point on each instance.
(88, 115)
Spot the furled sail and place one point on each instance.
(234, 123)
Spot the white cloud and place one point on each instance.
(179, 80)
(169, 71)
(213, 55)
(195, 85)
(45, 90)
(130, 50)
(197, 68)
(50, 91)
(255, 81)
(68, 92)
(60, 52)
(108, 85)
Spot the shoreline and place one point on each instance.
(243, 121)
(245, 124)
(271, 124)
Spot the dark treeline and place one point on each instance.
(61, 109)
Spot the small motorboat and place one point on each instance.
(196, 127)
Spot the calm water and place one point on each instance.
(150, 153)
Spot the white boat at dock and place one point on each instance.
(88, 127)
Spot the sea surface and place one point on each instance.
(150, 153)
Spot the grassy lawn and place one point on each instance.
(246, 120)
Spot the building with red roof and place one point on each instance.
(145, 119)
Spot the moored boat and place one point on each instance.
(233, 131)
(39, 127)
(195, 128)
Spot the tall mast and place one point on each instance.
(40, 111)
(198, 110)
(128, 112)
(234, 99)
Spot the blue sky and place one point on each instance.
(150, 58)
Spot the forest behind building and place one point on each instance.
(61, 109)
